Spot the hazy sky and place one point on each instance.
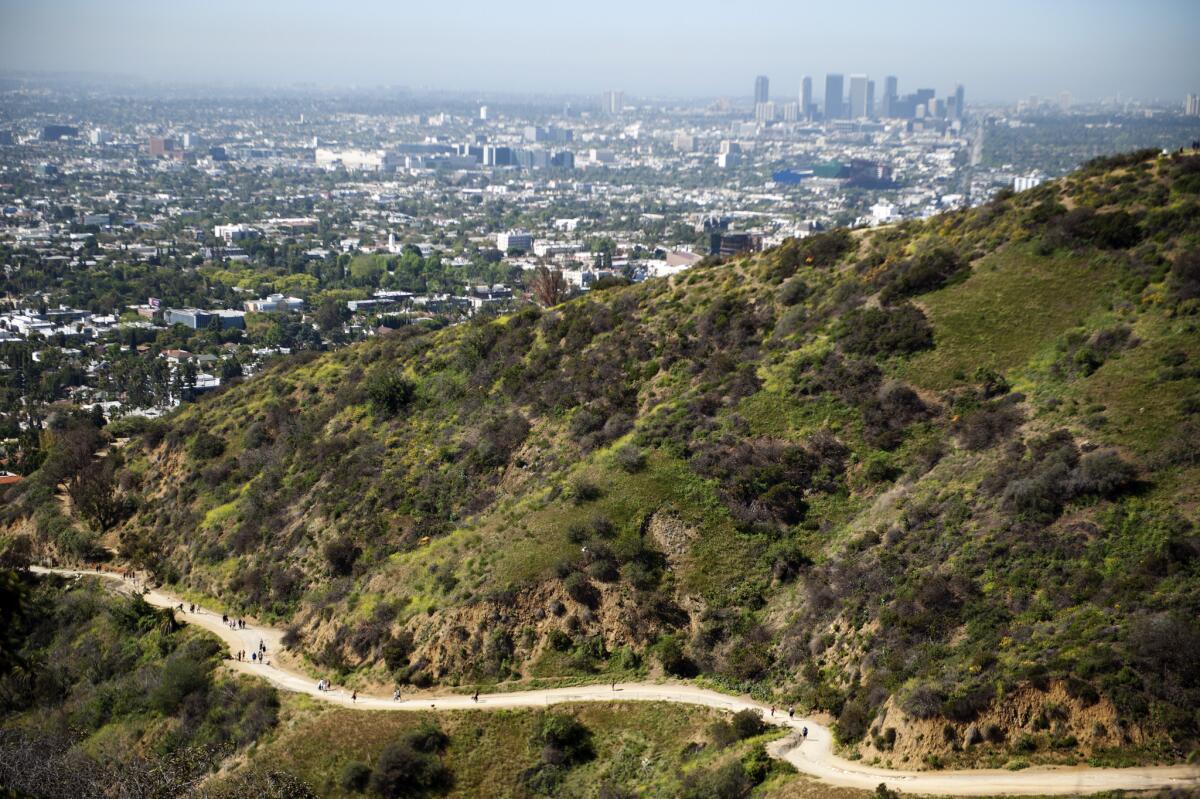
(1000, 49)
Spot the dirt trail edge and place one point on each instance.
(812, 756)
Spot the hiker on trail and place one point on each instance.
(791, 712)
(181, 607)
(224, 618)
(614, 686)
(475, 698)
(804, 732)
(253, 656)
(354, 695)
(192, 608)
(396, 694)
(772, 711)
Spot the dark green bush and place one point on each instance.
(852, 722)
(883, 332)
(923, 273)
(630, 458)
(405, 772)
(747, 724)
(584, 490)
(1183, 281)
(581, 590)
(389, 392)
(670, 653)
(341, 553)
(793, 291)
(206, 446)
(355, 776)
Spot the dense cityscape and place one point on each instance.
(155, 247)
(663, 400)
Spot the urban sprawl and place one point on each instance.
(156, 247)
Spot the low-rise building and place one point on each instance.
(198, 319)
(275, 303)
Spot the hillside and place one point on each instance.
(940, 480)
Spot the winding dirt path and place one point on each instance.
(812, 756)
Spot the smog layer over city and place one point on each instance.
(696, 400)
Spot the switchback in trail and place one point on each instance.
(812, 756)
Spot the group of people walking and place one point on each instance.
(259, 655)
(233, 624)
(791, 711)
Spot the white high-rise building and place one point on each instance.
(1192, 106)
(483, 113)
(764, 112)
(612, 103)
(806, 98)
(858, 96)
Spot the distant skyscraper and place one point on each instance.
(858, 96)
(764, 112)
(613, 103)
(1192, 106)
(1064, 101)
(483, 113)
(890, 95)
(833, 96)
(806, 99)
(960, 101)
(870, 99)
(762, 89)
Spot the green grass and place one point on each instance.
(639, 745)
(1141, 411)
(1014, 304)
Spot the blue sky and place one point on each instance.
(1000, 50)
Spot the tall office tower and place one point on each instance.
(1064, 101)
(1192, 107)
(806, 108)
(762, 89)
(613, 103)
(858, 96)
(890, 95)
(483, 113)
(870, 99)
(833, 97)
(960, 101)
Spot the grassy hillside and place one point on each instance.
(938, 479)
(618, 750)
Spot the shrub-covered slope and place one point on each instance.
(104, 695)
(941, 476)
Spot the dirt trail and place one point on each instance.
(812, 756)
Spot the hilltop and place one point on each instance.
(938, 479)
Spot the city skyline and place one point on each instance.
(1092, 50)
